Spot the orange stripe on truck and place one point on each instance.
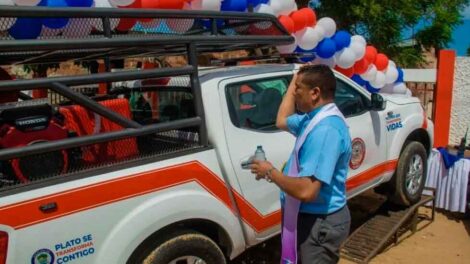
(371, 174)
(27, 213)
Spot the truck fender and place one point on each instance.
(174, 205)
(397, 140)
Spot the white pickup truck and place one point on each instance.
(173, 190)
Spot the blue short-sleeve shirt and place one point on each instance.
(325, 156)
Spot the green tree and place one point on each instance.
(384, 22)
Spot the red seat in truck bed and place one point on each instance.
(85, 123)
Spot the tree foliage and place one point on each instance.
(384, 23)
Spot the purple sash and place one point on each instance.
(291, 206)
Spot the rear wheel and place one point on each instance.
(410, 175)
(185, 247)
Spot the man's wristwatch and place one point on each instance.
(267, 176)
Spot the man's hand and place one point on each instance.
(260, 168)
(287, 107)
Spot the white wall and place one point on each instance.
(460, 118)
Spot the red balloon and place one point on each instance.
(381, 62)
(371, 53)
(361, 66)
(150, 3)
(348, 72)
(126, 23)
(309, 15)
(171, 4)
(288, 23)
(300, 20)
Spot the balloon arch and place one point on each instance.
(347, 54)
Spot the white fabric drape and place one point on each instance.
(450, 184)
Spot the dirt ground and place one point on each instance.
(446, 240)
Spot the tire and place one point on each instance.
(185, 247)
(410, 175)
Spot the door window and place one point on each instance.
(254, 104)
(349, 101)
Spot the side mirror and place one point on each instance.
(377, 102)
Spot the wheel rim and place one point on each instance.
(188, 260)
(414, 176)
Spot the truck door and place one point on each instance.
(368, 133)
(251, 104)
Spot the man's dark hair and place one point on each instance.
(319, 76)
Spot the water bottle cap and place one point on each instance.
(260, 147)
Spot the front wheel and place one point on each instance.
(410, 175)
(186, 247)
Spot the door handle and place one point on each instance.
(48, 207)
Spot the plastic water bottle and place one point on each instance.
(259, 154)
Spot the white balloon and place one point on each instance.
(264, 9)
(180, 25)
(391, 63)
(307, 38)
(360, 39)
(399, 88)
(370, 74)
(391, 74)
(213, 5)
(320, 33)
(276, 6)
(345, 58)
(359, 49)
(330, 62)
(328, 25)
(287, 6)
(387, 89)
(27, 2)
(288, 49)
(291, 6)
(379, 81)
(77, 28)
(121, 2)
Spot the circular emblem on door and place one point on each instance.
(358, 153)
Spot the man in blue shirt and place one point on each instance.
(321, 159)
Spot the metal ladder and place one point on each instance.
(383, 229)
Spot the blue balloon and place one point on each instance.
(26, 28)
(300, 50)
(234, 5)
(371, 89)
(342, 39)
(400, 75)
(54, 23)
(207, 23)
(358, 80)
(79, 3)
(257, 2)
(326, 48)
